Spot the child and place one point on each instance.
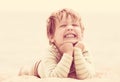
(67, 55)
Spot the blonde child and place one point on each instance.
(67, 56)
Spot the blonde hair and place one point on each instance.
(58, 16)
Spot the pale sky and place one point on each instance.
(47, 5)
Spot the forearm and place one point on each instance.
(83, 68)
(58, 69)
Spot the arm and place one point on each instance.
(55, 68)
(83, 64)
(57, 65)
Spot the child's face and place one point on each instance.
(67, 31)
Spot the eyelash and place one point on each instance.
(75, 25)
(64, 25)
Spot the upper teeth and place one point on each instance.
(70, 36)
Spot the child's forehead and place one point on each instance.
(66, 16)
(68, 19)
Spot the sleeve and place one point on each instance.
(83, 64)
(55, 68)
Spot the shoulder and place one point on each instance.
(51, 52)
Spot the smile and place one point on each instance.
(70, 36)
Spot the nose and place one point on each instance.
(69, 28)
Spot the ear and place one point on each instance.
(82, 36)
(82, 32)
(51, 39)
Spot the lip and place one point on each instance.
(70, 35)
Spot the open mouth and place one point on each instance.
(70, 35)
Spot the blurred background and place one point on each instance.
(23, 30)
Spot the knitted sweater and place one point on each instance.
(54, 65)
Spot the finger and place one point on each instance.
(75, 43)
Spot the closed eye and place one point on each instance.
(75, 24)
(63, 25)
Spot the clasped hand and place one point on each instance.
(68, 47)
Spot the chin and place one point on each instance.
(72, 41)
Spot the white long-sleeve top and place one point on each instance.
(65, 66)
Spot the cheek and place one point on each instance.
(80, 33)
(78, 30)
(59, 33)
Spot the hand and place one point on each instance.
(66, 47)
(80, 45)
